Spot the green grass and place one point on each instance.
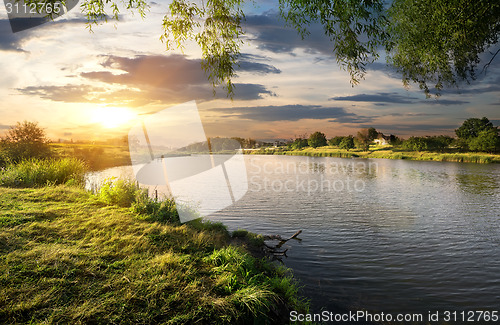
(386, 152)
(68, 256)
(33, 172)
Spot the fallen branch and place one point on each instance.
(273, 249)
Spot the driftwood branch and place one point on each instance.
(274, 250)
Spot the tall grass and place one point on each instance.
(36, 173)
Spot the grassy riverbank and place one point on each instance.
(387, 153)
(68, 256)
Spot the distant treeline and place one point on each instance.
(478, 135)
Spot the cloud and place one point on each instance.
(146, 79)
(67, 93)
(396, 128)
(174, 71)
(8, 40)
(247, 63)
(445, 102)
(380, 99)
(270, 33)
(292, 113)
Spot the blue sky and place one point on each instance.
(71, 81)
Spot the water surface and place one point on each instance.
(380, 235)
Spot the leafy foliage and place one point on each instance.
(440, 41)
(118, 192)
(355, 27)
(298, 144)
(317, 139)
(430, 143)
(347, 142)
(472, 126)
(24, 141)
(486, 141)
(335, 141)
(365, 137)
(218, 38)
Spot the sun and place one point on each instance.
(112, 117)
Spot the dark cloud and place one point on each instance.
(256, 67)
(8, 40)
(414, 114)
(445, 102)
(4, 127)
(271, 34)
(379, 98)
(292, 113)
(395, 128)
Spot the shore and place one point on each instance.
(68, 256)
(386, 153)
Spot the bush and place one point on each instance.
(36, 172)
(118, 192)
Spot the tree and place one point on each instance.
(438, 142)
(362, 140)
(415, 144)
(372, 134)
(430, 42)
(394, 140)
(347, 143)
(487, 141)
(25, 140)
(471, 128)
(298, 144)
(335, 141)
(317, 139)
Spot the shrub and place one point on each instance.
(118, 192)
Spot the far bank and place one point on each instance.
(386, 153)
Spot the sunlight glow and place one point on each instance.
(112, 117)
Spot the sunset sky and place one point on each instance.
(81, 85)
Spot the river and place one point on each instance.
(391, 236)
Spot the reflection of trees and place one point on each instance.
(478, 183)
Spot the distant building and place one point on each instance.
(382, 140)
